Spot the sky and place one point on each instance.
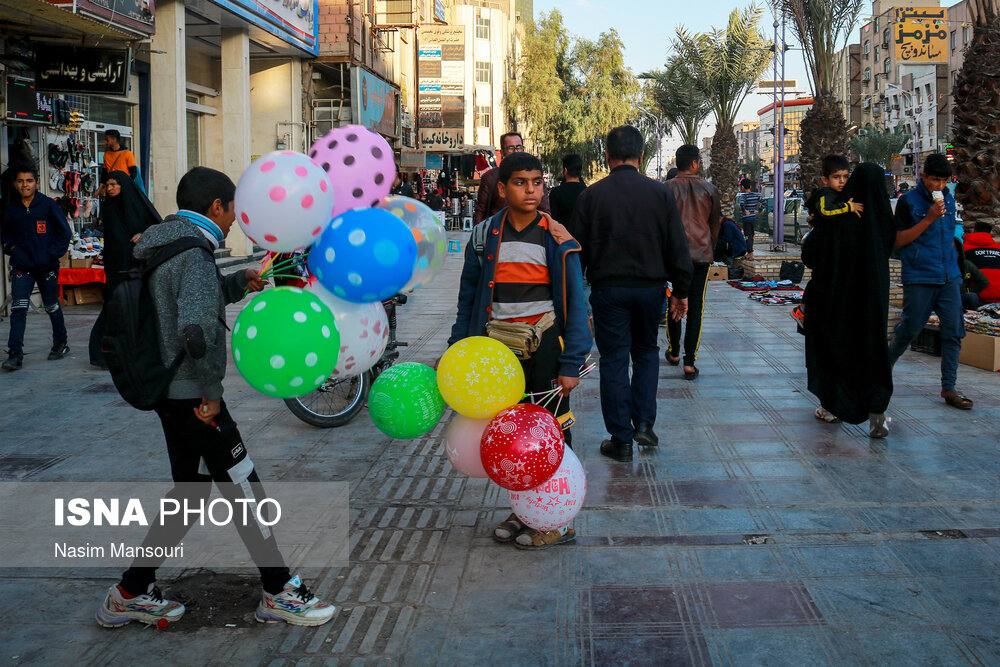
(647, 29)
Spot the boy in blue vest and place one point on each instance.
(925, 218)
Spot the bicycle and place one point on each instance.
(338, 400)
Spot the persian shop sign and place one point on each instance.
(921, 35)
(60, 69)
(374, 102)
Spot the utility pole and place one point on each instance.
(779, 139)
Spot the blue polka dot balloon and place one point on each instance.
(364, 255)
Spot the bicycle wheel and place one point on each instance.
(334, 404)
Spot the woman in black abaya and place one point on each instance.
(125, 215)
(847, 304)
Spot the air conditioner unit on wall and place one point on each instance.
(907, 170)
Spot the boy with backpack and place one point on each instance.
(527, 273)
(189, 296)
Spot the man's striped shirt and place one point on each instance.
(750, 204)
(522, 290)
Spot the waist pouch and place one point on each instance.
(522, 338)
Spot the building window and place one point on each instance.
(886, 37)
(482, 28)
(876, 24)
(954, 79)
(888, 66)
(868, 74)
(868, 46)
(965, 34)
(483, 117)
(877, 79)
(483, 72)
(952, 40)
(193, 139)
(876, 53)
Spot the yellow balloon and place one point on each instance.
(479, 377)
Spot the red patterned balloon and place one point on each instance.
(522, 447)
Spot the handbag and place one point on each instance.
(522, 338)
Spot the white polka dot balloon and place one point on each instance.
(364, 256)
(364, 332)
(360, 165)
(284, 201)
(285, 342)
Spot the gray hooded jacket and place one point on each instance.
(190, 297)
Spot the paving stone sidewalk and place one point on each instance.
(754, 535)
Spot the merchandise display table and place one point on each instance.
(79, 277)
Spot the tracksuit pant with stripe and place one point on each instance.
(696, 309)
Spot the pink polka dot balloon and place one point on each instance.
(522, 447)
(284, 201)
(360, 165)
(556, 502)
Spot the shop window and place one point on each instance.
(482, 28)
(483, 72)
(112, 112)
(482, 116)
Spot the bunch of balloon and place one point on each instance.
(330, 209)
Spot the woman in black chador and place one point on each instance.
(847, 304)
(125, 214)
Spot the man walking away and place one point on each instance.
(489, 201)
(925, 220)
(633, 242)
(203, 442)
(35, 234)
(750, 204)
(701, 211)
(563, 197)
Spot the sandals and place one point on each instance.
(544, 540)
(672, 360)
(957, 399)
(692, 375)
(507, 530)
(825, 415)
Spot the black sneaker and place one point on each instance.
(617, 450)
(644, 435)
(13, 362)
(58, 351)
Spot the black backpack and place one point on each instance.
(131, 343)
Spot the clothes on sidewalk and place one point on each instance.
(693, 320)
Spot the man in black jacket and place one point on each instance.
(35, 234)
(563, 197)
(633, 243)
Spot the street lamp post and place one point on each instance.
(779, 138)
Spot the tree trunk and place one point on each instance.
(725, 169)
(823, 132)
(977, 126)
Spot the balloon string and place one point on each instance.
(269, 260)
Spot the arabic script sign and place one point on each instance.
(441, 140)
(60, 69)
(921, 35)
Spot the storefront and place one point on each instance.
(68, 74)
(228, 87)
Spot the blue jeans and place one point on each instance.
(918, 303)
(21, 283)
(625, 326)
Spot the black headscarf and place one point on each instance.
(123, 217)
(847, 301)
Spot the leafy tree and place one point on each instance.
(879, 145)
(678, 99)
(751, 169)
(821, 27)
(726, 64)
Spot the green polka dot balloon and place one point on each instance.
(405, 402)
(285, 342)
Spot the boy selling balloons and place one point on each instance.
(526, 291)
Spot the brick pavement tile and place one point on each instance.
(714, 493)
(941, 557)
(866, 604)
(653, 651)
(747, 604)
(887, 647)
(772, 647)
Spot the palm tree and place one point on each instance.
(726, 64)
(751, 168)
(977, 119)
(678, 99)
(879, 145)
(820, 27)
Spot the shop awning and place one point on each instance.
(38, 16)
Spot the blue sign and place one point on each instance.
(374, 102)
(292, 21)
(434, 162)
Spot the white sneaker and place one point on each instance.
(294, 605)
(877, 426)
(149, 608)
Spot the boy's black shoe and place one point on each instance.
(13, 362)
(644, 436)
(59, 350)
(617, 450)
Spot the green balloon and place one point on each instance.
(405, 402)
(285, 342)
